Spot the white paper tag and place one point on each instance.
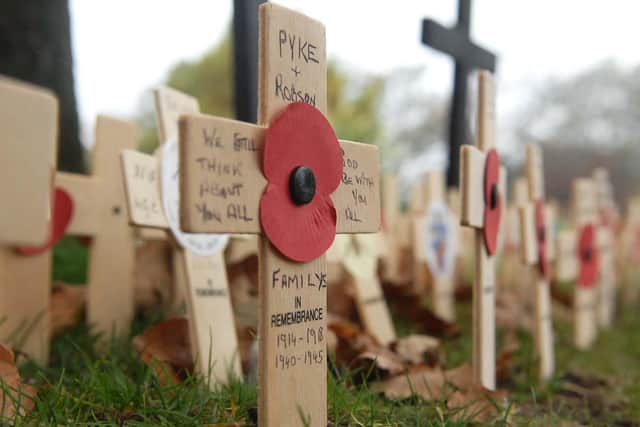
(199, 244)
(440, 240)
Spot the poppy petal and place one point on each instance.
(62, 214)
(301, 233)
(301, 136)
(492, 201)
(587, 257)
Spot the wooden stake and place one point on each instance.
(100, 212)
(200, 278)
(474, 210)
(537, 250)
(585, 297)
(28, 125)
(293, 368)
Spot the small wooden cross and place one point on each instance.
(435, 244)
(585, 215)
(608, 216)
(392, 222)
(482, 187)
(536, 226)
(28, 141)
(292, 387)
(100, 212)
(200, 271)
(359, 254)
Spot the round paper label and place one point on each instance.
(440, 240)
(199, 244)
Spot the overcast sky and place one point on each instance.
(124, 47)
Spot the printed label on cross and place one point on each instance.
(28, 124)
(536, 225)
(585, 214)
(435, 244)
(223, 189)
(99, 212)
(483, 189)
(152, 195)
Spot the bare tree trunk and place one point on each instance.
(35, 46)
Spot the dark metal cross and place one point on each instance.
(457, 43)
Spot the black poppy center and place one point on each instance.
(541, 234)
(493, 199)
(302, 185)
(586, 255)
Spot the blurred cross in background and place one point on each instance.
(468, 56)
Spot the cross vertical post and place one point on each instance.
(536, 227)
(585, 215)
(29, 129)
(468, 56)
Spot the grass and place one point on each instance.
(85, 387)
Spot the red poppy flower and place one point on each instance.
(492, 201)
(302, 162)
(541, 237)
(587, 256)
(62, 214)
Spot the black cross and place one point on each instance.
(468, 56)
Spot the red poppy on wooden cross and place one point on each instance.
(483, 188)
(292, 181)
(537, 239)
(585, 213)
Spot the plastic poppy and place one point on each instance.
(302, 162)
(492, 201)
(541, 238)
(62, 214)
(587, 256)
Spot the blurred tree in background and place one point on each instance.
(588, 120)
(353, 101)
(35, 46)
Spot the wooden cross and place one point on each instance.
(359, 254)
(100, 212)
(394, 237)
(468, 56)
(630, 250)
(200, 270)
(28, 141)
(482, 189)
(536, 226)
(292, 387)
(514, 273)
(585, 214)
(435, 245)
(606, 247)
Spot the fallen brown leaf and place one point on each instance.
(166, 348)
(417, 349)
(403, 302)
(153, 273)
(17, 397)
(67, 302)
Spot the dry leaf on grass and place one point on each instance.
(67, 302)
(455, 386)
(166, 348)
(16, 396)
(417, 349)
(153, 273)
(423, 319)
